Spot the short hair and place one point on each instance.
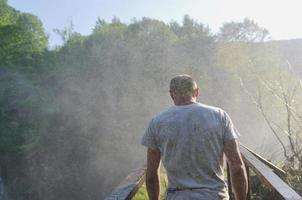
(183, 85)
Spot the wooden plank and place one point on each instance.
(129, 186)
(268, 177)
(276, 169)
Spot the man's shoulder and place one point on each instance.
(162, 114)
(199, 107)
(210, 108)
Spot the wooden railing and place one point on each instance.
(267, 174)
(129, 186)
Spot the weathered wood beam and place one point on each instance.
(267, 176)
(276, 169)
(129, 186)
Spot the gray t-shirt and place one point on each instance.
(190, 139)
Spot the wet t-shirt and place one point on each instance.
(190, 139)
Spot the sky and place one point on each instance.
(282, 18)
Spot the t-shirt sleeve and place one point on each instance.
(230, 132)
(148, 139)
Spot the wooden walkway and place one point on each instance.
(267, 173)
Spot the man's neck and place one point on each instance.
(183, 102)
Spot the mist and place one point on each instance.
(121, 82)
(88, 108)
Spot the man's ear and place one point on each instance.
(196, 92)
(171, 94)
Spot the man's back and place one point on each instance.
(190, 139)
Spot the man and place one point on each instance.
(190, 138)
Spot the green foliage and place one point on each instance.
(21, 40)
(293, 176)
(190, 29)
(7, 14)
(246, 31)
(116, 29)
(151, 30)
(142, 192)
(19, 104)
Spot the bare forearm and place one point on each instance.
(237, 168)
(153, 187)
(239, 182)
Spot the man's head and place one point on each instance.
(183, 89)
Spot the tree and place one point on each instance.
(7, 14)
(150, 30)
(66, 33)
(98, 25)
(190, 29)
(284, 91)
(22, 41)
(246, 31)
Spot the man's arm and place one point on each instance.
(237, 169)
(152, 178)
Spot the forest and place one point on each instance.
(72, 117)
